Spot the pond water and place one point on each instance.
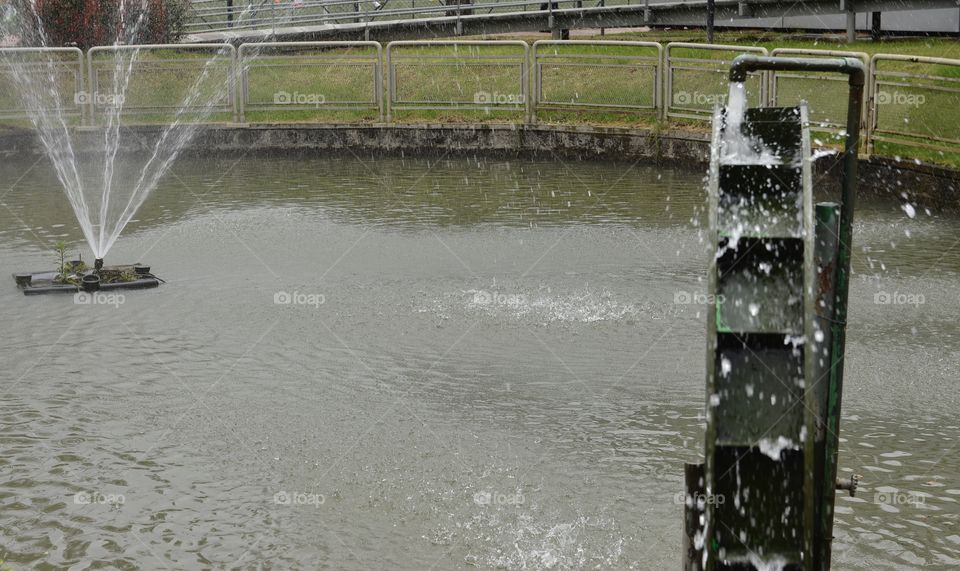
(369, 362)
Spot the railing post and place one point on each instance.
(711, 15)
(91, 87)
(667, 83)
(391, 87)
(232, 84)
(851, 24)
(528, 109)
(378, 82)
(658, 83)
(79, 85)
(535, 95)
(871, 105)
(242, 91)
(603, 31)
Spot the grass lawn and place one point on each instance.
(486, 84)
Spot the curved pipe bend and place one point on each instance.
(744, 64)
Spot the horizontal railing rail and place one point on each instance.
(141, 97)
(64, 63)
(703, 81)
(902, 109)
(497, 72)
(599, 76)
(679, 81)
(216, 16)
(825, 94)
(310, 76)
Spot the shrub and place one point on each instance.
(88, 23)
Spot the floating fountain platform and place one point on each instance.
(101, 278)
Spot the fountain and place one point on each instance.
(103, 199)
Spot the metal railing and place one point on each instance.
(900, 102)
(310, 76)
(190, 83)
(66, 64)
(216, 16)
(475, 75)
(906, 94)
(596, 76)
(825, 94)
(694, 85)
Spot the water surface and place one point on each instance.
(484, 363)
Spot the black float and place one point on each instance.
(77, 277)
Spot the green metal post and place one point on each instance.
(839, 333)
(825, 251)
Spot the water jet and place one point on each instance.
(105, 192)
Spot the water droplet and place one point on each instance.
(725, 367)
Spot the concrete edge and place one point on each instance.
(929, 185)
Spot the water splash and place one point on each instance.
(737, 148)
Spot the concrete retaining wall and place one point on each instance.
(932, 186)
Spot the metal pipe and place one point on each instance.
(854, 68)
(747, 63)
(839, 333)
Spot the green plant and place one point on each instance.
(66, 271)
(60, 247)
(169, 19)
(88, 23)
(656, 139)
